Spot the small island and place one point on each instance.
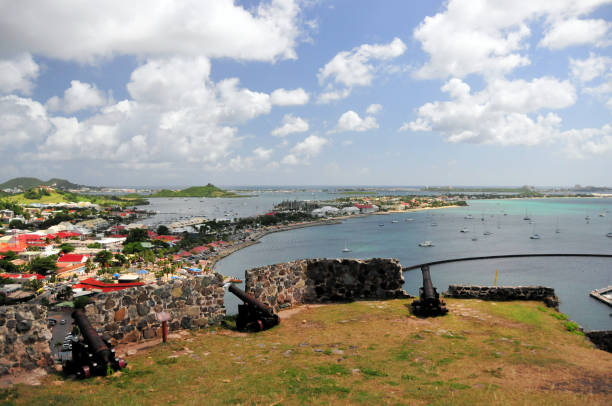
(209, 190)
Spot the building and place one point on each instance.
(73, 259)
(367, 208)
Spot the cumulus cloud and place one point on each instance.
(374, 109)
(78, 96)
(589, 141)
(350, 121)
(176, 114)
(291, 124)
(21, 121)
(18, 74)
(499, 114)
(574, 31)
(488, 38)
(356, 67)
(585, 70)
(282, 97)
(301, 153)
(150, 28)
(263, 153)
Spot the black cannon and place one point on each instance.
(429, 303)
(253, 315)
(91, 355)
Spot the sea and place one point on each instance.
(582, 225)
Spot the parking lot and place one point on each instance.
(59, 331)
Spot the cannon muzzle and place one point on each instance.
(253, 315)
(429, 303)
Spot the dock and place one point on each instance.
(603, 295)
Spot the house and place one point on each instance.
(95, 285)
(350, 210)
(73, 259)
(325, 211)
(68, 270)
(367, 208)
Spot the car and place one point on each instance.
(52, 322)
(62, 321)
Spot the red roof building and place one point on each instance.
(93, 284)
(21, 276)
(73, 258)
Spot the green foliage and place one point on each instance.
(332, 369)
(103, 257)
(137, 235)
(35, 193)
(372, 372)
(8, 266)
(94, 245)
(66, 248)
(573, 327)
(209, 190)
(43, 265)
(163, 230)
(132, 248)
(10, 255)
(29, 183)
(33, 285)
(18, 224)
(81, 301)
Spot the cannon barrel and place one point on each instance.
(428, 289)
(248, 299)
(91, 337)
(253, 315)
(429, 303)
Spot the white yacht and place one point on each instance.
(426, 244)
(469, 217)
(464, 230)
(535, 236)
(346, 248)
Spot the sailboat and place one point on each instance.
(346, 248)
(557, 229)
(534, 235)
(426, 244)
(526, 216)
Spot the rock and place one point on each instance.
(177, 292)
(23, 326)
(142, 309)
(120, 314)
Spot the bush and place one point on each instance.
(81, 301)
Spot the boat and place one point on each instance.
(602, 214)
(609, 234)
(534, 236)
(346, 248)
(487, 233)
(469, 217)
(236, 280)
(527, 218)
(474, 238)
(394, 221)
(434, 224)
(409, 219)
(464, 230)
(381, 225)
(426, 244)
(557, 229)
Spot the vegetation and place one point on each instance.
(366, 353)
(43, 265)
(209, 190)
(59, 196)
(29, 183)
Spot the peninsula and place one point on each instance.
(209, 190)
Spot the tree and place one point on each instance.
(132, 248)
(81, 301)
(137, 235)
(163, 230)
(33, 285)
(17, 224)
(66, 248)
(43, 265)
(103, 257)
(122, 259)
(10, 255)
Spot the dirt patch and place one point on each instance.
(33, 377)
(288, 313)
(587, 383)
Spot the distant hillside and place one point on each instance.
(209, 190)
(27, 183)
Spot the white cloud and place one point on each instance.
(589, 141)
(263, 153)
(488, 37)
(350, 121)
(356, 67)
(499, 114)
(21, 121)
(296, 97)
(574, 31)
(18, 74)
(78, 96)
(310, 147)
(374, 109)
(585, 70)
(291, 124)
(176, 114)
(334, 95)
(150, 28)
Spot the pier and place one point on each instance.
(603, 295)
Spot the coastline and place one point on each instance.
(254, 239)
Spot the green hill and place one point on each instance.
(28, 183)
(209, 190)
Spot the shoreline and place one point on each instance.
(254, 239)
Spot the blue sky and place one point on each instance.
(462, 92)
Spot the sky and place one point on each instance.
(307, 92)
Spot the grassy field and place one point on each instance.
(367, 353)
(55, 197)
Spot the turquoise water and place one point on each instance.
(572, 278)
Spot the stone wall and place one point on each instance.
(130, 315)
(540, 293)
(602, 339)
(325, 280)
(24, 338)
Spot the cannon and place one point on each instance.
(91, 355)
(429, 303)
(253, 315)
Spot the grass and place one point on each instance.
(360, 353)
